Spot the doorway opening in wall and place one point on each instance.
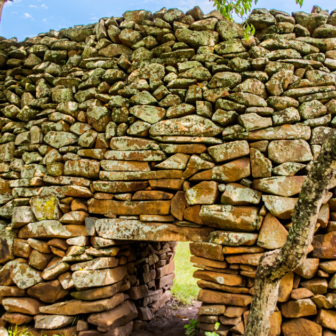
(183, 306)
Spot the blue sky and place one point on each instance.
(23, 18)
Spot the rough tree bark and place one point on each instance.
(275, 264)
(2, 4)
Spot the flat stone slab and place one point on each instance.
(51, 229)
(136, 230)
(74, 307)
(129, 208)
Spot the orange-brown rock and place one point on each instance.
(308, 268)
(301, 293)
(171, 184)
(129, 208)
(96, 278)
(78, 205)
(196, 164)
(208, 262)
(229, 172)
(145, 195)
(97, 293)
(209, 296)
(112, 165)
(241, 249)
(327, 318)
(281, 186)
(24, 305)
(137, 230)
(280, 207)
(249, 259)
(285, 287)
(298, 308)
(229, 150)
(282, 151)
(135, 155)
(220, 278)
(324, 246)
(205, 192)
(39, 260)
(228, 217)
(212, 310)
(234, 238)
(237, 194)
(49, 291)
(178, 205)
(207, 250)
(191, 214)
(183, 148)
(21, 248)
(157, 218)
(75, 307)
(118, 187)
(74, 217)
(113, 318)
(52, 229)
(275, 324)
(223, 288)
(272, 234)
(317, 286)
(16, 318)
(143, 175)
(301, 326)
(260, 165)
(83, 168)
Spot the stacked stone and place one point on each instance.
(160, 128)
(155, 274)
(71, 283)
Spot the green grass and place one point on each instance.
(184, 289)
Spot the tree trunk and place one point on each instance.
(2, 4)
(275, 264)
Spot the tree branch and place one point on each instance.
(275, 264)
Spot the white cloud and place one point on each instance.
(93, 18)
(32, 6)
(27, 15)
(44, 6)
(44, 20)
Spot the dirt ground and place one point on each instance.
(170, 320)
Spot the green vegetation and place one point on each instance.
(241, 8)
(192, 328)
(185, 289)
(18, 331)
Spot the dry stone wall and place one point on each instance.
(121, 138)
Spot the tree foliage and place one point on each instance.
(241, 8)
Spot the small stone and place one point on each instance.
(75, 307)
(49, 291)
(52, 321)
(280, 207)
(272, 234)
(95, 278)
(282, 186)
(229, 150)
(237, 194)
(308, 268)
(202, 193)
(207, 250)
(260, 165)
(228, 217)
(298, 308)
(190, 125)
(301, 325)
(22, 305)
(327, 318)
